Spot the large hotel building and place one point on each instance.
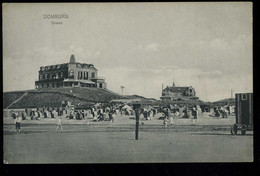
(72, 74)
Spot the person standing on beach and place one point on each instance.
(165, 122)
(151, 114)
(59, 125)
(195, 114)
(111, 116)
(170, 117)
(17, 123)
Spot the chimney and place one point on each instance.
(72, 59)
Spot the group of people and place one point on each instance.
(148, 114)
(78, 114)
(220, 112)
(168, 117)
(100, 114)
(97, 114)
(169, 114)
(108, 113)
(43, 114)
(18, 119)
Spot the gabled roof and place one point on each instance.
(176, 89)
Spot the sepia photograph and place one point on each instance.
(168, 82)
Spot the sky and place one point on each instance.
(138, 45)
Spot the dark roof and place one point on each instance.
(65, 65)
(177, 89)
(78, 64)
(84, 65)
(53, 67)
(72, 59)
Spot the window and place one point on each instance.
(93, 75)
(40, 78)
(244, 96)
(81, 75)
(100, 85)
(53, 85)
(86, 75)
(57, 76)
(61, 74)
(71, 72)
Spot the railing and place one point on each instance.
(49, 79)
(17, 100)
(99, 78)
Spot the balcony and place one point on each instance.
(99, 78)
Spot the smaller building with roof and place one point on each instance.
(178, 93)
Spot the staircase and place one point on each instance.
(39, 90)
(17, 100)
